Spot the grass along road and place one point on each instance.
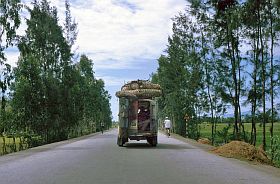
(205, 131)
(10, 144)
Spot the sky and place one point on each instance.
(124, 38)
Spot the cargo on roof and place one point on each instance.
(139, 89)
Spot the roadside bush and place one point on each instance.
(224, 134)
(246, 136)
(274, 151)
(34, 140)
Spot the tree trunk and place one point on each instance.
(14, 144)
(211, 106)
(254, 103)
(233, 72)
(253, 130)
(271, 75)
(254, 100)
(4, 148)
(241, 126)
(263, 82)
(208, 89)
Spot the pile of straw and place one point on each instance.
(139, 89)
(204, 141)
(239, 149)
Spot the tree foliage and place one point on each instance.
(221, 55)
(52, 97)
(9, 23)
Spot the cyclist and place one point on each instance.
(167, 126)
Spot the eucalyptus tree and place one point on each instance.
(9, 23)
(260, 5)
(222, 47)
(171, 78)
(251, 27)
(87, 91)
(179, 74)
(274, 29)
(106, 114)
(265, 32)
(68, 76)
(95, 106)
(208, 57)
(27, 95)
(228, 41)
(44, 45)
(70, 25)
(50, 95)
(220, 54)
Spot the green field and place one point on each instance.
(205, 131)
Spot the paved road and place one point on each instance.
(98, 160)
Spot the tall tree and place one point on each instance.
(228, 39)
(70, 26)
(250, 22)
(44, 41)
(273, 19)
(179, 74)
(52, 98)
(9, 23)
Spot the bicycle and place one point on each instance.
(167, 130)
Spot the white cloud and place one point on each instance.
(113, 81)
(115, 32)
(121, 33)
(12, 58)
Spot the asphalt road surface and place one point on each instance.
(98, 160)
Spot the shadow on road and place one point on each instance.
(159, 146)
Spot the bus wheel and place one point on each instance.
(152, 140)
(120, 142)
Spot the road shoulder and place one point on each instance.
(46, 147)
(268, 169)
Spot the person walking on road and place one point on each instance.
(167, 126)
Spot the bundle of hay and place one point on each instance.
(140, 89)
(204, 141)
(140, 84)
(239, 149)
